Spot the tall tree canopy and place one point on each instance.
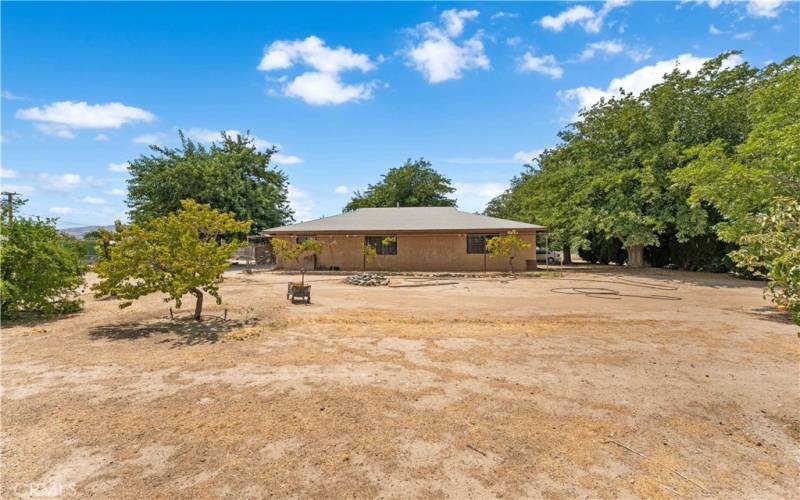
(415, 184)
(683, 173)
(610, 177)
(230, 175)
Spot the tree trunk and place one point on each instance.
(198, 307)
(567, 255)
(636, 256)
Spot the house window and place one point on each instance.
(476, 243)
(384, 245)
(301, 239)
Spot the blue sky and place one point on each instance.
(346, 90)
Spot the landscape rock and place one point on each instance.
(367, 279)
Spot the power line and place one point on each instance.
(60, 220)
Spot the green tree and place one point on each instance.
(415, 184)
(611, 176)
(42, 269)
(506, 245)
(773, 251)
(290, 250)
(546, 193)
(231, 175)
(179, 253)
(755, 185)
(368, 254)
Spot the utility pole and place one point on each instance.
(10, 202)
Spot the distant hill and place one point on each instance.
(79, 232)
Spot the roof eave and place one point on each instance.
(303, 232)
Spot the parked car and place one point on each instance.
(543, 256)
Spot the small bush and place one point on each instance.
(41, 268)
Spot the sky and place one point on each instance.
(344, 90)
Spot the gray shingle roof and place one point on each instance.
(388, 220)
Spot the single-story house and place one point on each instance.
(407, 239)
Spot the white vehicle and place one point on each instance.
(543, 256)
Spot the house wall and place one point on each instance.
(415, 252)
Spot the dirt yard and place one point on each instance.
(598, 384)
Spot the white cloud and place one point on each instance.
(755, 8)
(5, 94)
(207, 136)
(148, 139)
(7, 173)
(584, 97)
(764, 8)
(62, 118)
(613, 47)
(595, 24)
(639, 54)
(711, 3)
(324, 85)
(301, 203)
(62, 182)
(513, 41)
(527, 156)
(589, 20)
(282, 159)
(283, 54)
(118, 192)
(341, 189)
(504, 15)
(92, 200)
(118, 167)
(439, 57)
(546, 65)
(320, 89)
(19, 188)
(744, 36)
(101, 137)
(518, 157)
(61, 210)
(453, 20)
(714, 30)
(569, 16)
(473, 197)
(639, 80)
(56, 130)
(605, 46)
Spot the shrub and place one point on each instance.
(41, 268)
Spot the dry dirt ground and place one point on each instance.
(598, 384)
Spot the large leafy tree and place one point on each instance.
(742, 181)
(177, 254)
(415, 184)
(611, 176)
(545, 193)
(755, 186)
(231, 175)
(42, 269)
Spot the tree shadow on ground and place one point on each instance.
(699, 278)
(183, 331)
(771, 314)
(31, 319)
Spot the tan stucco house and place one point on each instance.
(408, 239)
